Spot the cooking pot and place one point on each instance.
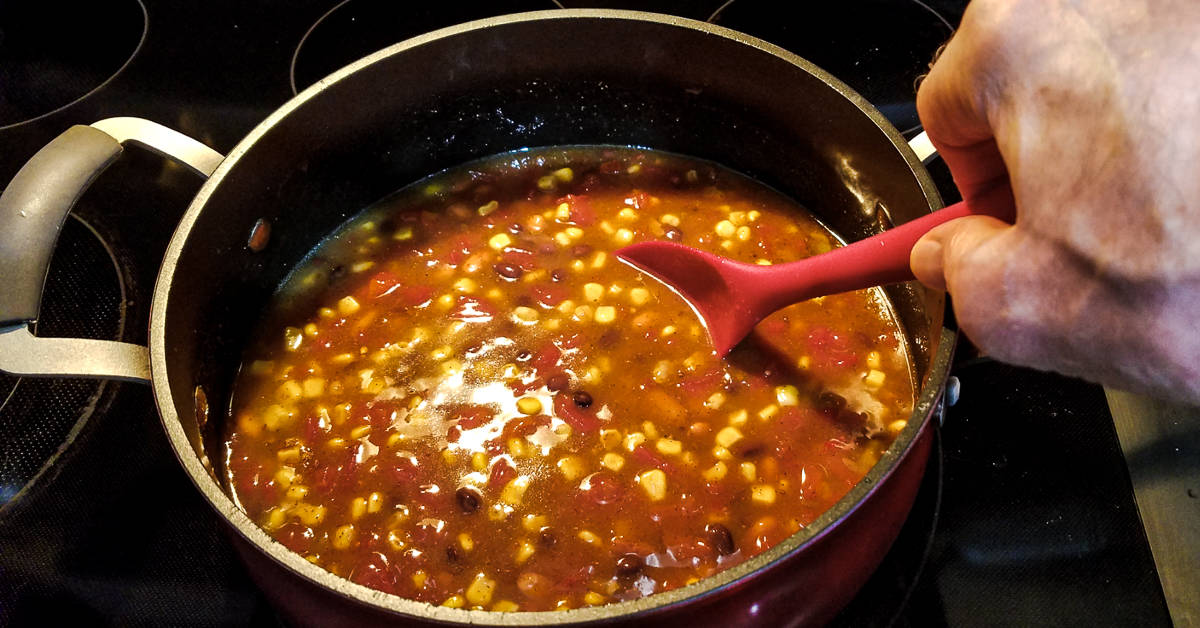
(441, 99)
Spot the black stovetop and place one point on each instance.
(1026, 516)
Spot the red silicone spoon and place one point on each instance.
(732, 297)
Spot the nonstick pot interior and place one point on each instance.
(563, 77)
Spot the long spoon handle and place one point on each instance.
(875, 261)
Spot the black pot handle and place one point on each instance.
(33, 208)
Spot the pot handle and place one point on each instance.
(32, 210)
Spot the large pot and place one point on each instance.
(546, 78)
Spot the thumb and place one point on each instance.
(944, 256)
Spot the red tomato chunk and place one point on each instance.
(464, 398)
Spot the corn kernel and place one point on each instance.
(529, 405)
(296, 493)
(524, 552)
(605, 314)
(738, 419)
(715, 401)
(488, 208)
(716, 472)
(309, 514)
(275, 519)
(623, 236)
(525, 314)
(753, 215)
(669, 330)
(804, 362)
(533, 523)
(589, 537)
(479, 461)
(897, 426)
(343, 537)
(546, 183)
(359, 432)
(768, 412)
(725, 229)
(419, 577)
(627, 214)
(874, 360)
(562, 212)
(610, 438)
(465, 285)
(669, 219)
(572, 467)
(599, 259)
(466, 542)
(347, 306)
(313, 387)
(874, 379)
(650, 430)
(612, 461)
(633, 439)
(593, 292)
(787, 395)
(514, 491)
(743, 234)
(573, 232)
(479, 592)
(455, 601)
(288, 391)
(591, 598)
(374, 502)
(288, 455)
(292, 338)
(662, 371)
(566, 175)
(654, 483)
(763, 494)
(516, 448)
(499, 241)
(562, 238)
(749, 471)
(721, 453)
(668, 446)
(284, 477)
(358, 508)
(728, 436)
(639, 296)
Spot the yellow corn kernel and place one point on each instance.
(768, 412)
(479, 461)
(498, 512)
(804, 362)
(488, 208)
(572, 467)
(738, 419)
(309, 514)
(582, 313)
(639, 296)
(753, 215)
(749, 471)
(276, 517)
(419, 577)
(293, 337)
(449, 457)
(288, 455)
(727, 244)
(623, 236)
(669, 219)
(874, 379)
(763, 494)
(336, 443)
(763, 262)
(721, 453)
(326, 313)
(573, 233)
(609, 438)
(593, 292)
(445, 301)
(662, 371)
(284, 477)
(895, 427)
(591, 598)
(311, 330)
(466, 542)
(668, 446)
(634, 169)
(296, 493)
(633, 439)
(343, 537)
(725, 229)
(562, 212)
(313, 387)
(669, 330)
(514, 491)
(552, 324)
(599, 259)
(787, 395)
(465, 285)
(589, 537)
(359, 432)
(529, 405)
(874, 360)
(499, 241)
(654, 483)
(525, 314)
(605, 314)
(358, 508)
(375, 502)
(715, 472)
(289, 391)
(737, 218)
(394, 439)
(562, 238)
(743, 234)
(347, 306)
(566, 175)
(455, 601)
(627, 214)
(612, 461)
(505, 606)
(362, 266)
(715, 401)
(479, 592)
(524, 551)
(546, 183)
(516, 448)
(533, 523)
(728, 436)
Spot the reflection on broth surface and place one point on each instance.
(464, 398)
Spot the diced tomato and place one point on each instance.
(601, 488)
(296, 537)
(376, 572)
(381, 284)
(502, 472)
(405, 470)
(703, 384)
(460, 249)
(471, 417)
(582, 419)
(548, 295)
(415, 295)
(648, 458)
(831, 349)
(473, 310)
(546, 358)
(639, 200)
(516, 256)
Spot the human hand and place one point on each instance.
(1086, 115)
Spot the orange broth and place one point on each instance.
(465, 398)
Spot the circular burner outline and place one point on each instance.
(102, 85)
(317, 24)
(102, 387)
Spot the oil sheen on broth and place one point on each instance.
(463, 398)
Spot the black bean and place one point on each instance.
(673, 233)
(547, 538)
(452, 554)
(582, 399)
(468, 499)
(508, 271)
(524, 356)
(629, 566)
(720, 538)
(749, 448)
(830, 403)
(557, 382)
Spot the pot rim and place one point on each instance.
(927, 398)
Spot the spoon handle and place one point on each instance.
(875, 261)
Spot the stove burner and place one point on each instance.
(40, 418)
(355, 28)
(882, 64)
(53, 56)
